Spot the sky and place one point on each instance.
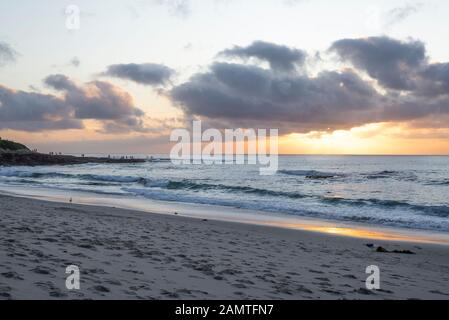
(335, 77)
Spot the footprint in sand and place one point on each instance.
(5, 291)
(102, 289)
(12, 275)
(316, 271)
(42, 270)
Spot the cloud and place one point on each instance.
(382, 80)
(176, 7)
(145, 73)
(75, 62)
(399, 14)
(99, 100)
(96, 100)
(28, 111)
(434, 79)
(249, 96)
(60, 82)
(387, 60)
(396, 65)
(293, 2)
(279, 57)
(7, 53)
(231, 95)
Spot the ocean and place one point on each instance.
(398, 191)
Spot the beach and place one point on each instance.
(125, 254)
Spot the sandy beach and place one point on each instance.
(125, 254)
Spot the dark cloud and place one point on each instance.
(60, 82)
(396, 65)
(241, 95)
(7, 53)
(250, 96)
(96, 100)
(391, 62)
(99, 100)
(279, 57)
(383, 80)
(434, 79)
(28, 111)
(145, 73)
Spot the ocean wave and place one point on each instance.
(437, 183)
(416, 222)
(311, 174)
(195, 186)
(91, 177)
(381, 174)
(427, 210)
(157, 194)
(159, 160)
(99, 180)
(385, 174)
(190, 185)
(389, 174)
(108, 178)
(28, 181)
(95, 191)
(8, 172)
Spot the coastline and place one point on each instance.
(128, 254)
(234, 215)
(29, 158)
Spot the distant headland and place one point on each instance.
(17, 154)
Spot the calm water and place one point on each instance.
(409, 192)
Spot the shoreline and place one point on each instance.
(128, 254)
(234, 215)
(29, 158)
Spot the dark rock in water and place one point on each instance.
(382, 249)
(40, 159)
(403, 251)
(320, 177)
(370, 245)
